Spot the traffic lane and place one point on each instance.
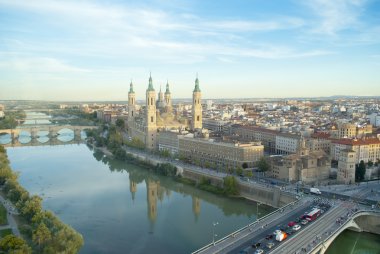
(318, 226)
(293, 233)
(270, 229)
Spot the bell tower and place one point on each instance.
(168, 99)
(131, 104)
(196, 122)
(150, 117)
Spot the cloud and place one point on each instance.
(110, 30)
(336, 15)
(38, 64)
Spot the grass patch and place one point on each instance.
(5, 232)
(185, 181)
(3, 215)
(212, 189)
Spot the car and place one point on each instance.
(296, 227)
(259, 251)
(268, 237)
(270, 245)
(304, 222)
(291, 224)
(276, 232)
(289, 231)
(256, 245)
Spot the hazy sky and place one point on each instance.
(90, 50)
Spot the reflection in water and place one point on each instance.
(154, 214)
(5, 139)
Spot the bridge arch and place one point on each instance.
(367, 221)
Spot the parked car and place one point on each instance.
(291, 224)
(256, 245)
(268, 237)
(304, 222)
(296, 227)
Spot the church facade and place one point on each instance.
(158, 114)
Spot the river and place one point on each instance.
(122, 208)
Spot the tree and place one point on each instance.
(360, 171)
(120, 123)
(41, 235)
(245, 165)
(239, 171)
(14, 244)
(230, 185)
(248, 173)
(263, 164)
(370, 163)
(31, 207)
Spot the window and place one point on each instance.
(132, 113)
(151, 119)
(198, 118)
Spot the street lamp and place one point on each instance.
(257, 210)
(213, 232)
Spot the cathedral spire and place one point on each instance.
(196, 88)
(131, 87)
(167, 87)
(150, 87)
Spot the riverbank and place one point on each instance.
(165, 168)
(41, 230)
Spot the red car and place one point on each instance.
(291, 224)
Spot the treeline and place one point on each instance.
(43, 231)
(230, 186)
(9, 121)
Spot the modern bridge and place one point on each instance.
(313, 238)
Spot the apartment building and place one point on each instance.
(287, 143)
(222, 155)
(255, 133)
(346, 166)
(366, 149)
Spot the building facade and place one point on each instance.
(346, 167)
(221, 155)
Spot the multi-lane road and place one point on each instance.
(245, 245)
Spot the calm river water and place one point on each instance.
(122, 208)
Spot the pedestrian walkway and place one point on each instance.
(11, 211)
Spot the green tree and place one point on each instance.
(263, 164)
(370, 163)
(239, 171)
(31, 207)
(120, 123)
(14, 244)
(248, 173)
(360, 171)
(230, 185)
(41, 235)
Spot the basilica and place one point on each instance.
(158, 115)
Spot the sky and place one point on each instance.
(91, 50)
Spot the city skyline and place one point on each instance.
(90, 50)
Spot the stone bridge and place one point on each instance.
(53, 131)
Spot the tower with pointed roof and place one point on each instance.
(168, 99)
(131, 105)
(196, 122)
(150, 117)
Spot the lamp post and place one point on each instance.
(257, 209)
(213, 232)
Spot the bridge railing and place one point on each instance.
(352, 216)
(234, 234)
